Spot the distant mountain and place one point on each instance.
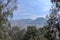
(39, 22)
(27, 21)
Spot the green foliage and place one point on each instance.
(53, 31)
(6, 10)
(17, 33)
(33, 33)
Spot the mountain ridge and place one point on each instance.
(29, 22)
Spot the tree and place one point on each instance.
(17, 33)
(32, 33)
(6, 10)
(54, 22)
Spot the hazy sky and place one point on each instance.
(32, 9)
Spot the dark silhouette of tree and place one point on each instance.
(6, 10)
(32, 33)
(17, 33)
(53, 31)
